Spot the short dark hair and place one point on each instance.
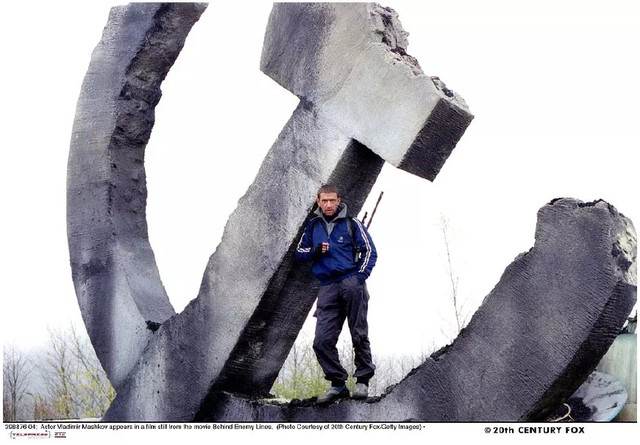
(329, 188)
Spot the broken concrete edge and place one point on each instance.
(385, 22)
(624, 249)
(450, 117)
(117, 282)
(432, 118)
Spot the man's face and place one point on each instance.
(328, 203)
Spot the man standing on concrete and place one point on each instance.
(343, 256)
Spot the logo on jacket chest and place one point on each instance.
(341, 239)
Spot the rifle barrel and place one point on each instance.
(374, 210)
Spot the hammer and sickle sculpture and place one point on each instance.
(363, 101)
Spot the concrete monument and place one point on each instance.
(363, 101)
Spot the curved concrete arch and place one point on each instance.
(117, 283)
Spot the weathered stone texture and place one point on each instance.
(116, 278)
(357, 72)
(534, 340)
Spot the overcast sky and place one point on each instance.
(553, 86)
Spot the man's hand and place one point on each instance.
(320, 250)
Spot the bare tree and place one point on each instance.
(59, 372)
(301, 376)
(392, 369)
(16, 372)
(94, 391)
(458, 307)
(76, 385)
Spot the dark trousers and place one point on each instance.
(347, 299)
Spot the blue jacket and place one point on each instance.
(339, 262)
